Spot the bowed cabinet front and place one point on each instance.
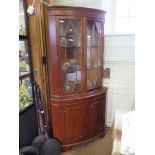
(75, 39)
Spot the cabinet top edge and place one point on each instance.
(57, 7)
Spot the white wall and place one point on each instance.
(82, 3)
(119, 57)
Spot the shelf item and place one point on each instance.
(22, 19)
(25, 93)
(24, 66)
(75, 57)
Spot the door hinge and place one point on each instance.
(44, 60)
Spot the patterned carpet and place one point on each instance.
(99, 146)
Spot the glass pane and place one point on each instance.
(22, 24)
(24, 67)
(25, 93)
(93, 54)
(71, 52)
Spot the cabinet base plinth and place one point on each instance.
(66, 148)
(103, 135)
(70, 146)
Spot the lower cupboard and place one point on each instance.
(78, 120)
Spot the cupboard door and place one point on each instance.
(74, 123)
(70, 41)
(94, 54)
(96, 111)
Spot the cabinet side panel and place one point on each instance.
(53, 59)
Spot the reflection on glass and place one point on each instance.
(22, 24)
(93, 54)
(24, 67)
(71, 52)
(25, 93)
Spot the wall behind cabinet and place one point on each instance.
(83, 3)
(119, 57)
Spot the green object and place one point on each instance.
(22, 30)
(25, 98)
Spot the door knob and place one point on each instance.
(65, 111)
(92, 105)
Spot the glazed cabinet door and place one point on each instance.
(96, 118)
(70, 53)
(74, 123)
(94, 62)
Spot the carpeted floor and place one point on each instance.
(99, 146)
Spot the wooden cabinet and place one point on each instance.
(75, 39)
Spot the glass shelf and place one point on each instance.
(69, 46)
(22, 76)
(22, 37)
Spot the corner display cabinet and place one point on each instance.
(75, 61)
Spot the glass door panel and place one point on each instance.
(71, 54)
(93, 54)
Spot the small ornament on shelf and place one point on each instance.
(22, 30)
